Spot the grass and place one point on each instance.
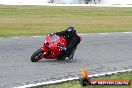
(41, 20)
(75, 84)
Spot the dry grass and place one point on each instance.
(39, 20)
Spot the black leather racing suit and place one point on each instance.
(73, 40)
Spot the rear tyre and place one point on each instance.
(36, 55)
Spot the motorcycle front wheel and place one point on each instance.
(36, 55)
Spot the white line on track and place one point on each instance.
(68, 79)
(37, 36)
(16, 37)
(105, 33)
(92, 5)
(127, 32)
(85, 5)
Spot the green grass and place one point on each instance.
(75, 84)
(40, 20)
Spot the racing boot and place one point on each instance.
(71, 54)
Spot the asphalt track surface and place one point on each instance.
(97, 53)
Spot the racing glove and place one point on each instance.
(63, 49)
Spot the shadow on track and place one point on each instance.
(54, 61)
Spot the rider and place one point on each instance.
(72, 38)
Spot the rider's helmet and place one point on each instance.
(70, 31)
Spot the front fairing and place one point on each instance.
(53, 43)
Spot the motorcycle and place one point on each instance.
(51, 49)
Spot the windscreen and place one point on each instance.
(54, 38)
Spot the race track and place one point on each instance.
(98, 53)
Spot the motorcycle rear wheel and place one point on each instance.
(36, 55)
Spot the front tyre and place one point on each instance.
(36, 55)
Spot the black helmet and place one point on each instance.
(70, 31)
